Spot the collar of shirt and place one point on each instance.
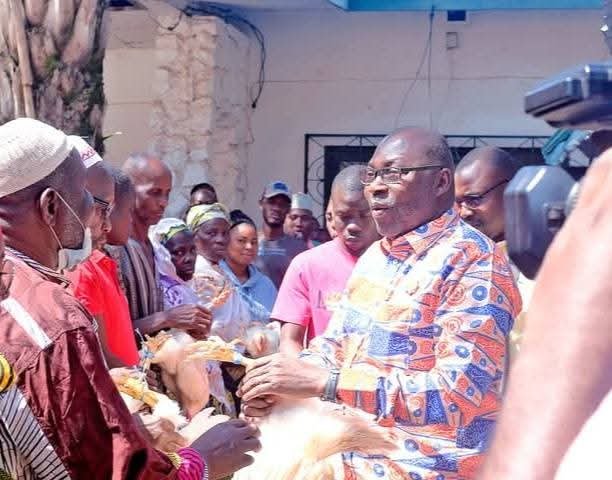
(421, 238)
(48, 273)
(105, 261)
(250, 282)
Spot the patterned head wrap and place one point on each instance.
(159, 235)
(200, 214)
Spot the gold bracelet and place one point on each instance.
(176, 459)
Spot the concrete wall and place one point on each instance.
(201, 109)
(129, 67)
(330, 71)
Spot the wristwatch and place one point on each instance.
(329, 394)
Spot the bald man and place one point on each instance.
(480, 180)
(152, 181)
(419, 337)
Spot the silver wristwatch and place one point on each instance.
(329, 394)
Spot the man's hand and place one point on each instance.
(257, 408)
(194, 319)
(224, 447)
(282, 375)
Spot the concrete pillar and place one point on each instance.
(201, 108)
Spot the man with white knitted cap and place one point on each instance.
(61, 416)
(299, 222)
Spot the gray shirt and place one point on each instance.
(274, 256)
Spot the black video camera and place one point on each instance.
(539, 198)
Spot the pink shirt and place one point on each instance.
(313, 284)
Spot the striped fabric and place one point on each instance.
(140, 281)
(63, 417)
(192, 465)
(25, 452)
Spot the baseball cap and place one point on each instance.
(277, 188)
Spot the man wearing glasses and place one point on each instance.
(419, 338)
(95, 281)
(480, 180)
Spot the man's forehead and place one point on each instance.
(399, 152)
(477, 175)
(100, 182)
(299, 211)
(155, 179)
(349, 199)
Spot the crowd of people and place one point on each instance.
(404, 305)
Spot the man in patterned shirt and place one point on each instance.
(420, 337)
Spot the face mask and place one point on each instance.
(69, 258)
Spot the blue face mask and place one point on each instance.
(69, 258)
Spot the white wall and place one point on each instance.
(129, 67)
(330, 71)
(338, 72)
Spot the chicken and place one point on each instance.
(158, 417)
(302, 440)
(185, 378)
(262, 340)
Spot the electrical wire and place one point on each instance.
(426, 53)
(232, 18)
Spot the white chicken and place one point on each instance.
(185, 378)
(303, 439)
(159, 418)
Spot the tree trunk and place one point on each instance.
(51, 56)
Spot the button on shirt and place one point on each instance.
(420, 339)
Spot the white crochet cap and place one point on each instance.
(29, 151)
(88, 154)
(301, 201)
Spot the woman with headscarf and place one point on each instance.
(231, 316)
(175, 257)
(256, 289)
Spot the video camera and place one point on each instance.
(539, 198)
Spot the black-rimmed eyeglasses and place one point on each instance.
(475, 200)
(105, 207)
(391, 175)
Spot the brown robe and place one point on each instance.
(62, 417)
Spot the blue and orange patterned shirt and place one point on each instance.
(420, 340)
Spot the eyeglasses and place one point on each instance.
(7, 272)
(391, 175)
(105, 207)
(475, 200)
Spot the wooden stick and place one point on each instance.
(23, 52)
